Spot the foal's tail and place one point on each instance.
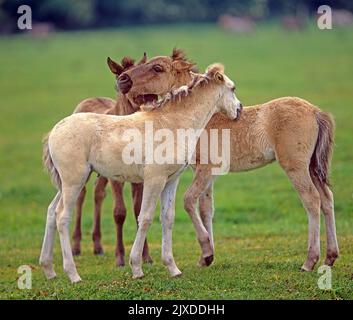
(321, 159)
(49, 165)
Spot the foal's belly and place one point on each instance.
(119, 171)
(251, 159)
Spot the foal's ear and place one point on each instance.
(215, 71)
(144, 58)
(114, 67)
(182, 65)
(219, 77)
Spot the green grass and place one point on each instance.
(260, 225)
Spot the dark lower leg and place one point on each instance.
(77, 235)
(99, 195)
(119, 218)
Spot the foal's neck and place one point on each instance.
(123, 106)
(193, 111)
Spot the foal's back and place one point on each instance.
(286, 125)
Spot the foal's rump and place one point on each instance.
(66, 148)
(301, 134)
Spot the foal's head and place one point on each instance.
(219, 85)
(146, 81)
(227, 103)
(126, 64)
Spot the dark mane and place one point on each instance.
(179, 54)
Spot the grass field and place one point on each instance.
(260, 225)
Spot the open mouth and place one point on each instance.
(146, 98)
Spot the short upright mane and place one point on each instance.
(178, 54)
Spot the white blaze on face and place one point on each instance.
(230, 85)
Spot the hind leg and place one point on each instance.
(299, 175)
(327, 207)
(200, 183)
(46, 256)
(206, 207)
(72, 184)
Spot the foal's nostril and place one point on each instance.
(124, 83)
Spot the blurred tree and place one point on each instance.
(67, 13)
(70, 14)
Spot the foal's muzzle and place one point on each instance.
(124, 83)
(239, 110)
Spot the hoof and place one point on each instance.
(50, 275)
(120, 263)
(208, 260)
(330, 259)
(76, 251)
(48, 269)
(176, 274)
(76, 279)
(98, 251)
(329, 262)
(305, 269)
(148, 260)
(138, 275)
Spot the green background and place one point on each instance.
(260, 225)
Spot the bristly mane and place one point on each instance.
(180, 93)
(179, 54)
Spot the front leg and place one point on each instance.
(167, 220)
(153, 186)
(137, 191)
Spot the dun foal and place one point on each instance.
(86, 142)
(300, 137)
(290, 130)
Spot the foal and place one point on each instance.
(290, 130)
(86, 142)
(300, 137)
(124, 105)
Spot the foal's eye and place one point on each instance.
(157, 68)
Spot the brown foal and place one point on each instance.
(124, 105)
(178, 73)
